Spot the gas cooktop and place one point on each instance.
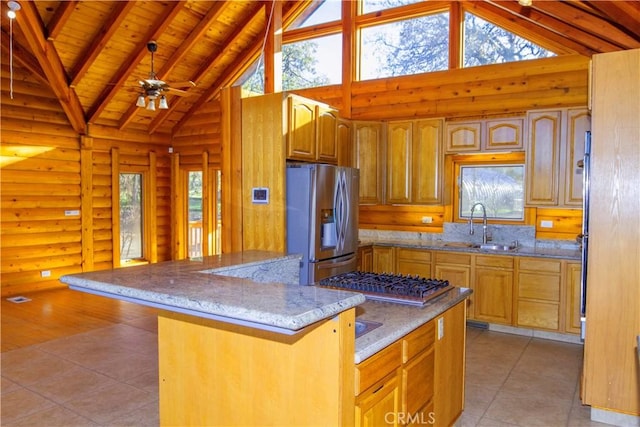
(403, 289)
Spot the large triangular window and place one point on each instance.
(486, 43)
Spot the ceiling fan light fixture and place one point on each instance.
(163, 103)
(526, 3)
(140, 102)
(152, 105)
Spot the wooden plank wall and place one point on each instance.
(47, 169)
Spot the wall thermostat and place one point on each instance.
(260, 195)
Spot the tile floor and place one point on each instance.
(108, 377)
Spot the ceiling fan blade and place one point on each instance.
(187, 83)
(177, 92)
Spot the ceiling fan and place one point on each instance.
(154, 88)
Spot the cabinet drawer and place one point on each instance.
(536, 314)
(414, 254)
(539, 286)
(538, 265)
(377, 366)
(418, 340)
(495, 261)
(452, 258)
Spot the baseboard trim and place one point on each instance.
(535, 333)
(614, 418)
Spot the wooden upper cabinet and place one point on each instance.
(427, 162)
(399, 140)
(578, 123)
(301, 132)
(369, 158)
(344, 138)
(463, 137)
(503, 134)
(312, 131)
(543, 157)
(414, 162)
(327, 128)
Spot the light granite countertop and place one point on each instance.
(527, 251)
(399, 319)
(242, 288)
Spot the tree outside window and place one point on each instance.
(131, 214)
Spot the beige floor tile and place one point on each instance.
(8, 386)
(111, 403)
(490, 376)
(30, 365)
(530, 383)
(477, 399)
(21, 403)
(145, 416)
(125, 365)
(55, 416)
(487, 422)
(72, 384)
(147, 381)
(527, 410)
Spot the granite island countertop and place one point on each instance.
(399, 319)
(243, 288)
(528, 251)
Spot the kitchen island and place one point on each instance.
(241, 344)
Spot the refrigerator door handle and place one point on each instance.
(340, 209)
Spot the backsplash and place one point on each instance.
(459, 232)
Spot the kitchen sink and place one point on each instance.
(365, 326)
(496, 247)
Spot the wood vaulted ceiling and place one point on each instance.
(93, 53)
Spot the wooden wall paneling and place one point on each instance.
(115, 206)
(566, 223)
(163, 207)
(206, 205)
(86, 201)
(263, 165)
(401, 217)
(178, 244)
(101, 210)
(151, 206)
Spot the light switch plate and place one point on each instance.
(440, 328)
(546, 224)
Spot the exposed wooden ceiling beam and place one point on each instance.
(196, 34)
(45, 53)
(130, 64)
(60, 18)
(624, 13)
(209, 64)
(24, 57)
(505, 15)
(109, 28)
(588, 23)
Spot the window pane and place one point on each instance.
(312, 63)
(500, 188)
(130, 216)
(326, 11)
(375, 5)
(486, 43)
(412, 46)
(195, 214)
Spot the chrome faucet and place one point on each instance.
(484, 222)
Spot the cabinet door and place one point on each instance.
(427, 162)
(380, 405)
(399, 140)
(417, 382)
(383, 259)
(365, 259)
(493, 295)
(578, 123)
(457, 275)
(327, 122)
(368, 141)
(301, 130)
(463, 137)
(572, 285)
(543, 158)
(345, 143)
(503, 134)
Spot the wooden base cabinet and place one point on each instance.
(378, 406)
(493, 289)
(539, 292)
(413, 262)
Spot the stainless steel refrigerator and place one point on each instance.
(586, 165)
(322, 219)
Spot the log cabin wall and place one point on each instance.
(56, 188)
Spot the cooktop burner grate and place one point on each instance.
(407, 289)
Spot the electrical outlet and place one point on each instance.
(546, 224)
(440, 328)
(427, 220)
(45, 273)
